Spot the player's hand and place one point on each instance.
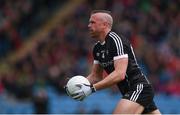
(85, 90)
(79, 95)
(66, 89)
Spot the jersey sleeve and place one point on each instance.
(118, 48)
(95, 53)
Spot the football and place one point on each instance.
(71, 85)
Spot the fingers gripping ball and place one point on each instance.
(74, 84)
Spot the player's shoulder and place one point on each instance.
(115, 36)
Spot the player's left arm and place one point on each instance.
(116, 76)
(96, 74)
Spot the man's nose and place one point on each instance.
(89, 25)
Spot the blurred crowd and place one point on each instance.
(152, 26)
(19, 19)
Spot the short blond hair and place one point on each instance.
(108, 17)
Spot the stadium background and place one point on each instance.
(42, 42)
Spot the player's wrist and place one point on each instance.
(93, 89)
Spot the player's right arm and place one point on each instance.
(97, 71)
(93, 77)
(96, 74)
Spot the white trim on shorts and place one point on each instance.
(136, 93)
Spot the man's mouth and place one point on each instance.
(91, 31)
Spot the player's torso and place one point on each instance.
(105, 57)
(105, 54)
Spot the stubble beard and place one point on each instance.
(94, 35)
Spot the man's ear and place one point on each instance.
(106, 24)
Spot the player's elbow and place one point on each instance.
(120, 77)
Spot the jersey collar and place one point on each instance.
(102, 43)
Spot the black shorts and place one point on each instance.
(142, 94)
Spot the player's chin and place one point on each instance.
(92, 34)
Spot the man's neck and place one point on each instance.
(103, 35)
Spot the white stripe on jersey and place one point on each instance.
(117, 46)
(136, 93)
(118, 43)
(134, 55)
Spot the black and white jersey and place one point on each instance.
(116, 47)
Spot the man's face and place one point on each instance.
(95, 26)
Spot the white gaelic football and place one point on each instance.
(71, 86)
